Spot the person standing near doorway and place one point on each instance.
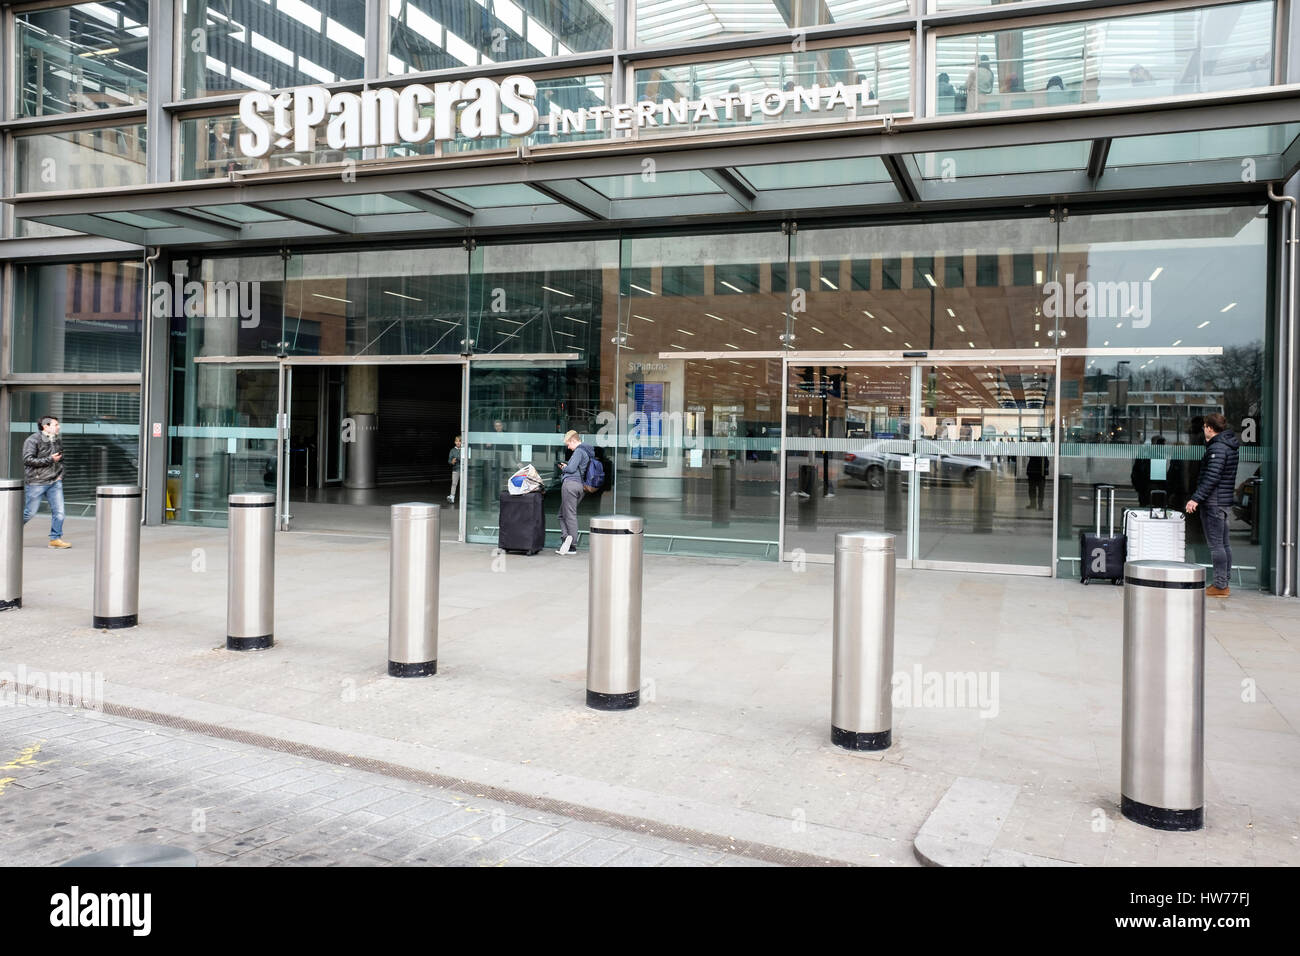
(572, 475)
(1036, 473)
(43, 472)
(453, 459)
(1214, 496)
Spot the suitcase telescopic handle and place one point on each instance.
(1164, 497)
(1096, 498)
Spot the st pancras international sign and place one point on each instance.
(486, 107)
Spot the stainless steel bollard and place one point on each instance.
(413, 589)
(117, 556)
(1162, 763)
(614, 612)
(862, 712)
(11, 543)
(250, 572)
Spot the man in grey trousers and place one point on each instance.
(572, 491)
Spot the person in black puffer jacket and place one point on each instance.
(1214, 496)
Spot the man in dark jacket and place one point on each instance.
(43, 472)
(1214, 495)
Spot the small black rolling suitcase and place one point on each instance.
(521, 528)
(1102, 557)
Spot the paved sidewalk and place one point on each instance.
(84, 781)
(733, 737)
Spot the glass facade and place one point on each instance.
(728, 369)
(229, 46)
(445, 34)
(1167, 53)
(81, 57)
(80, 317)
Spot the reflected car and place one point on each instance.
(870, 463)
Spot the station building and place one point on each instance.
(941, 267)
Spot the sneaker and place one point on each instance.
(804, 494)
(59, 543)
(451, 499)
(1212, 591)
(566, 547)
(831, 495)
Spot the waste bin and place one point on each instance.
(1162, 763)
(614, 612)
(863, 655)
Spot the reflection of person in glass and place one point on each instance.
(1150, 473)
(1213, 496)
(1036, 471)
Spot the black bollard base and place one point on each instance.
(1158, 818)
(11, 605)
(851, 740)
(613, 701)
(113, 623)
(260, 643)
(424, 669)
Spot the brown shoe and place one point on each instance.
(59, 543)
(1212, 591)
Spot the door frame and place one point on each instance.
(917, 360)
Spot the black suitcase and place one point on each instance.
(521, 528)
(1102, 556)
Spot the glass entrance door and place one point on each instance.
(848, 455)
(955, 458)
(984, 450)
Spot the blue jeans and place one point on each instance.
(1214, 521)
(54, 495)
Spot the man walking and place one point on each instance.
(1214, 495)
(572, 476)
(43, 471)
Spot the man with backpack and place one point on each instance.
(581, 474)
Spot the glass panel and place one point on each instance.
(506, 194)
(674, 21)
(519, 413)
(702, 452)
(1003, 160)
(77, 317)
(101, 441)
(544, 297)
(237, 212)
(222, 438)
(1175, 52)
(80, 159)
(210, 149)
(848, 452)
(228, 46)
(229, 306)
(829, 172)
(966, 286)
(391, 302)
(371, 204)
(712, 292)
(86, 56)
(1137, 280)
(1251, 141)
(450, 34)
(983, 460)
(884, 68)
(662, 184)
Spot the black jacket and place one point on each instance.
(1218, 470)
(39, 466)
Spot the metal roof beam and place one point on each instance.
(1291, 159)
(733, 185)
(576, 195)
(1097, 157)
(436, 204)
(902, 179)
(311, 213)
(197, 223)
(99, 226)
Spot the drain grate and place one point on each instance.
(678, 834)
